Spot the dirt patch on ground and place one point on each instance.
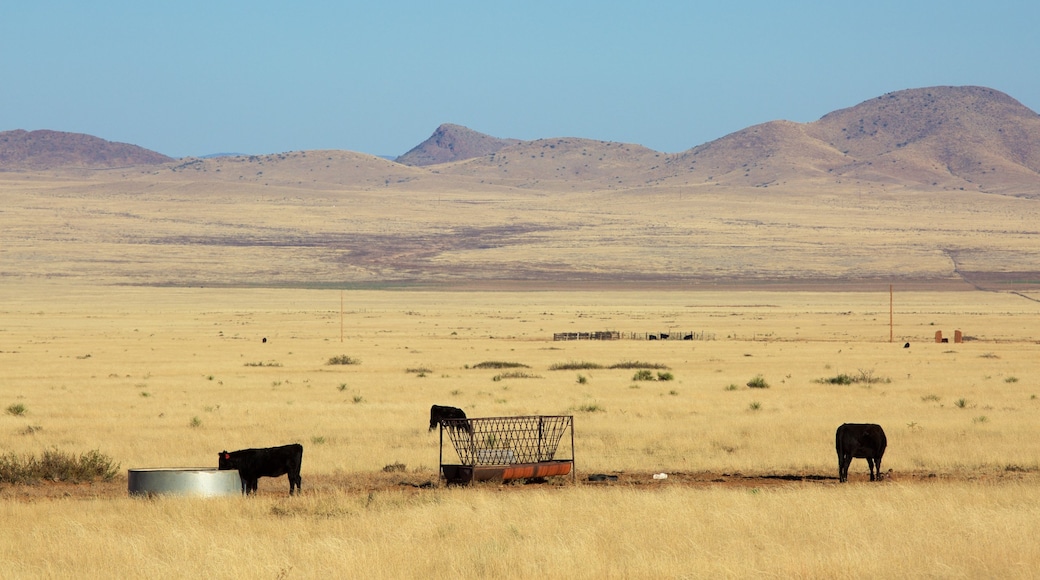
(367, 483)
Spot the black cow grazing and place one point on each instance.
(439, 413)
(864, 440)
(252, 464)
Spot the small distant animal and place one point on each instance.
(264, 340)
(439, 413)
(907, 345)
(863, 440)
(252, 464)
(945, 340)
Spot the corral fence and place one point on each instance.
(505, 448)
(616, 335)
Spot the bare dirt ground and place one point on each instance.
(367, 483)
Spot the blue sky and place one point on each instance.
(194, 78)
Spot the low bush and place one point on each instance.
(495, 364)
(343, 360)
(514, 375)
(864, 377)
(575, 366)
(638, 365)
(57, 465)
(758, 382)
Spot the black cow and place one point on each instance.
(439, 413)
(864, 440)
(252, 464)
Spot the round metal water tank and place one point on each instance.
(186, 481)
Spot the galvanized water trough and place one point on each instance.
(184, 481)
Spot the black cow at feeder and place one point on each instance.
(252, 464)
(439, 413)
(866, 441)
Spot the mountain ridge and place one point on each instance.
(941, 138)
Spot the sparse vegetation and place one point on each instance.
(16, 409)
(638, 365)
(864, 376)
(495, 364)
(758, 382)
(575, 366)
(263, 364)
(514, 375)
(643, 375)
(57, 465)
(343, 360)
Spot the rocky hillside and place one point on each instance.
(42, 150)
(940, 137)
(453, 143)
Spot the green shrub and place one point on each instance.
(643, 375)
(758, 382)
(514, 375)
(638, 365)
(57, 466)
(575, 366)
(343, 360)
(16, 409)
(496, 364)
(665, 376)
(865, 376)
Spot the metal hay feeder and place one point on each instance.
(505, 448)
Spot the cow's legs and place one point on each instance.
(843, 467)
(870, 464)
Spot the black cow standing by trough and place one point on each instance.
(252, 464)
(439, 413)
(864, 440)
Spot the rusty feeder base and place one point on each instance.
(464, 474)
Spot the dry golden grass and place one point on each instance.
(169, 377)
(204, 229)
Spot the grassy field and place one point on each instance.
(164, 377)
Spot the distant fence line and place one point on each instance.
(616, 335)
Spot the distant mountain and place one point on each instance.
(41, 150)
(939, 137)
(453, 143)
(933, 138)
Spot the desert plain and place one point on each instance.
(134, 308)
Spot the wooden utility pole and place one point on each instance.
(341, 316)
(890, 315)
